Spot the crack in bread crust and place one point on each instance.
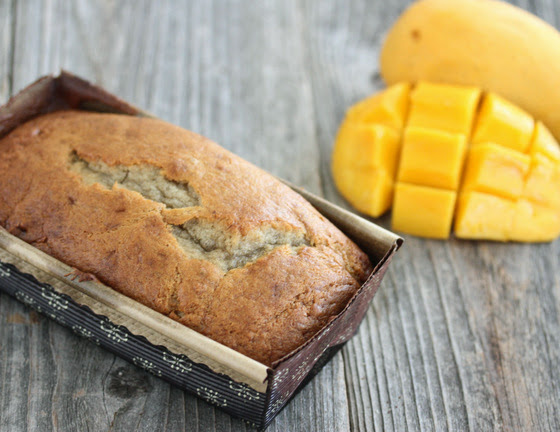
(199, 238)
(147, 180)
(208, 241)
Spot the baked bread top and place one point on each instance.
(178, 223)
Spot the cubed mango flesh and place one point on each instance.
(388, 108)
(423, 211)
(503, 123)
(534, 223)
(441, 159)
(376, 145)
(368, 190)
(543, 182)
(496, 170)
(484, 216)
(544, 143)
(450, 108)
(364, 165)
(432, 157)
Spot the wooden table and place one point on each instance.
(461, 336)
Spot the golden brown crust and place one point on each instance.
(263, 308)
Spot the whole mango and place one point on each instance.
(438, 153)
(484, 43)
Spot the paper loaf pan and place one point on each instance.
(239, 385)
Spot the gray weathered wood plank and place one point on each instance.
(461, 336)
(11, 349)
(6, 47)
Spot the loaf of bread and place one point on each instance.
(179, 224)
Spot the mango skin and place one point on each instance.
(488, 44)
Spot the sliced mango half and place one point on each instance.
(450, 157)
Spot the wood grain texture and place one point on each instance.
(461, 336)
(7, 28)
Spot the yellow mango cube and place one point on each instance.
(387, 108)
(445, 107)
(543, 182)
(503, 123)
(484, 216)
(344, 148)
(431, 157)
(374, 146)
(535, 223)
(497, 170)
(368, 190)
(543, 142)
(424, 211)
(366, 181)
